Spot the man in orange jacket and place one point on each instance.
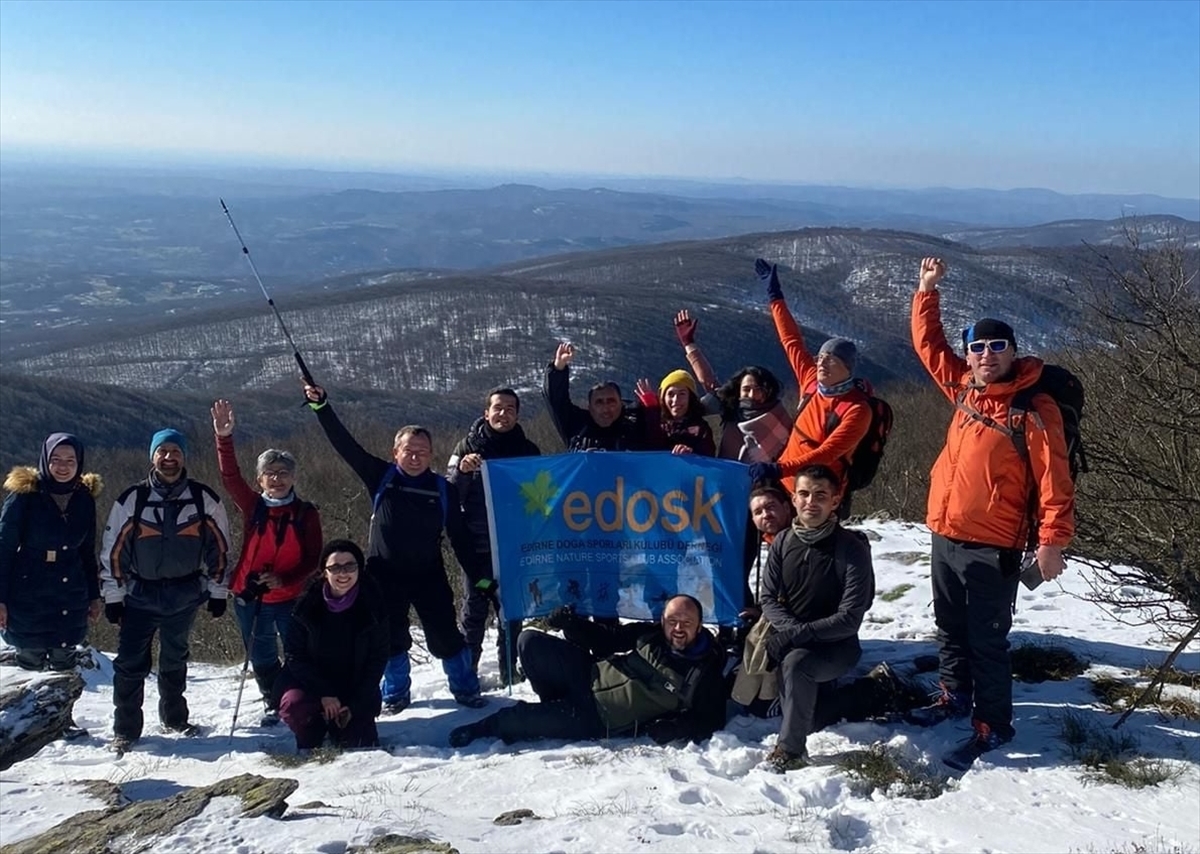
(984, 496)
(834, 412)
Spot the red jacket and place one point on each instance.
(288, 543)
(810, 443)
(980, 486)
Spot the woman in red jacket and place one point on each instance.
(281, 544)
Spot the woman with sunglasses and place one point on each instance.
(336, 650)
(981, 492)
(281, 540)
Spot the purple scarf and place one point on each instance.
(338, 604)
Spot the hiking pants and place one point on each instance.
(974, 591)
(801, 674)
(429, 594)
(169, 608)
(560, 673)
(476, 607)
(301, 713)
(270, 628)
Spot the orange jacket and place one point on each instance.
(979, 488)
(810, 443)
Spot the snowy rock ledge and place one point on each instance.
(96, 832)
(35, 708)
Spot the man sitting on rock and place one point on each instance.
(662, 680)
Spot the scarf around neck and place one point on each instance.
(338, 604)
(835, 390)
(811, 536)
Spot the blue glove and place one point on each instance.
(764, 471)
(768, 274)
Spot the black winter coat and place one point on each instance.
(48, 568)
(338, 655)
(575, 425)
(483, 440)
(405, 544)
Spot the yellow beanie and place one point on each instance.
(680, 377)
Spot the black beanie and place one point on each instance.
(989, 329)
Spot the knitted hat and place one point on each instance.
(680, 377)
(167, 434)
(989, 329)
(843, 349)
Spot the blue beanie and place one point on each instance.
(167, 434)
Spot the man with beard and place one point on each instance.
(496, 435)
(605, 425)
(163, 555)
(818, 586)
(662, 680)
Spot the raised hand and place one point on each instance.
(563, 355)
(645, 393)
(932, 271)
(222, 416)
(314, 393)
(768, 274)
(685, 328)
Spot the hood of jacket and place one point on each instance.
(25, 479)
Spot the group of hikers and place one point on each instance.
(326, 626)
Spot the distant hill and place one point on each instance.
(130, 246)
(460, 334)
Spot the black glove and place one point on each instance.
(114, 611)
(254, 588)
(768, 274)
(764, 471)
(217, 607)
(778, 645)
(561, 617)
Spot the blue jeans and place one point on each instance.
(270, 629)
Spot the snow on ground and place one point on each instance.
(630, 795)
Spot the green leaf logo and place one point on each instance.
(539, 494)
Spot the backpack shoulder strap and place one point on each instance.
(387, 478)
(140, 499)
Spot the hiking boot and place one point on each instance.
(781, 761)
(983, 739)
(269, 718)
(395, 707)
(121, 744)
(946, 705)
(471, 701)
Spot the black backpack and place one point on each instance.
(865, 462)
(1067, 391)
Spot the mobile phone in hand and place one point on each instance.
(1031, 573)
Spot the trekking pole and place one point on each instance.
(245, 251)
(245, 665)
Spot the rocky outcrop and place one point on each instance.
(98, 832)
(35, 709)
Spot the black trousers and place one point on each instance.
(561, 674)
(476, 607)
(801, 674)
(167, 608)
(974, 591)
(429, 594)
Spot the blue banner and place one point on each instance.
(617, 534)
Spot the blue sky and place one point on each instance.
(1073, 96)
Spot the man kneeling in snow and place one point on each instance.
(666, 682)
